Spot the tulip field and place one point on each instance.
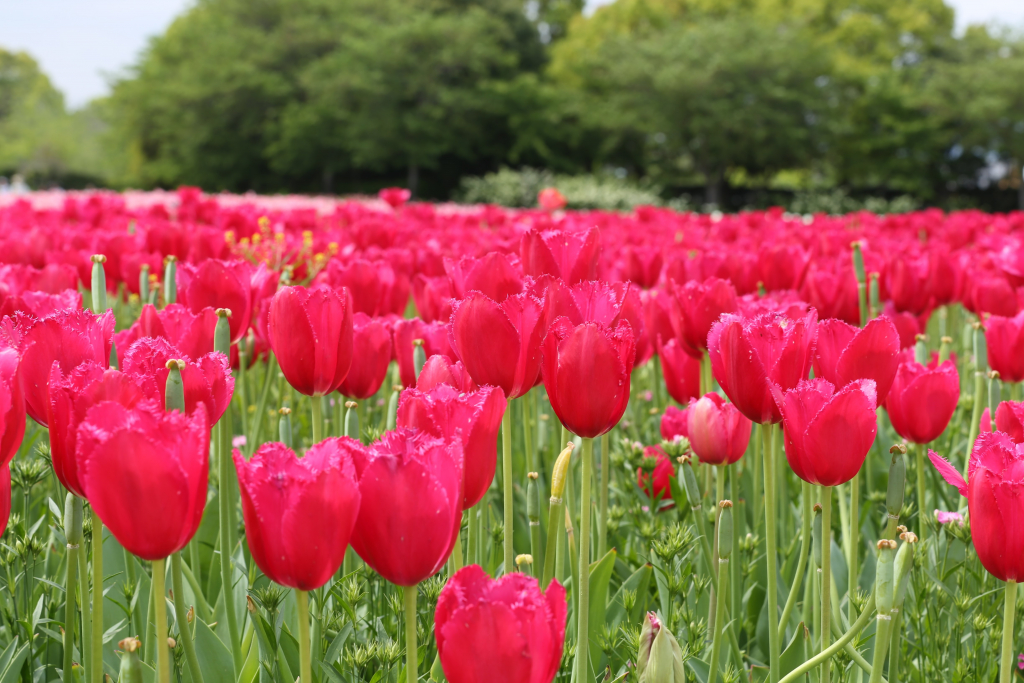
(275, 439)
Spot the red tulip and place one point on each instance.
(299, 512)
(749, 355)
(191, 333)
(435, 341)
(218, 284)
(144, 472)
(494, 275)
(394, 196)
(642, 265)
(71, 397)
(922, 399)
(499, 343)
(411, 489)
(433, 297)
(907, 325)
(371, 347)
(656, 484)
(376, 287)
(718, 433)
(991, 294)
(311, 334)
(995, 498)
(1009, 420)
(696, 306)
(845, 353)
(39, 304)
(828, 432)
(907, 280)
(12, 406)
(551, 199)
(439, 369)
(675, 423)
(586, 374)
(680, 370)
(832, 289)
(473, 418)
(571, 256)
(657, 320)
(1005, 338)
(68, 338)
(499, 631)
(782, 266)
(602, 302)
(207, 380)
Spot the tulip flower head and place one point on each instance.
(499, 631)
(218, 284)
(311, 334)
(749, 355)
(371, 347)
(718, 432)
(587, 373)
(922, 399)
(435, 341)
(410, 485)
(439, 369)
(828, 431)
(299, 512)
(144, 471)
(550, 199)
(12, 406)
(191, 333)
(655, 473)
(675, 423)
(206, 380)
(696, 306)
(495, 275)
(1005, 341)
(995, 499)
(845, 353)
(566, 254)
(680, 370)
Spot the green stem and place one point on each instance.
(318, 421)
(826, 574)
(921, 514)
(194, 583)
(226, 545)
(70, 613)
(96, 660)
(827, 654)
(1009, 613)
(801, 563)
(181, 614)
(509, 558)
(457, 551)
(716, 643)
(472, 537)
(261, 407)
(85, 605)
(979, 398)
(770, 558)
(758, 447)
(305, 659)
(583, 606)
(411, 653)
(717, 588)
(163, 664)
(556, 516)
(882, 626)
(854, 560)
(894, 646)
(602, 516)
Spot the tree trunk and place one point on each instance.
(414, 179)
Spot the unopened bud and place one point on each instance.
(392, 417)
(172, 643)
(191, 614)
(945, 344)
(131, 665)
(284, 426)
(725, 529)
(858, 262)
(524, 559)
(419, 355)
(174, 391)
(99, 284)
(351, 427)
(660, 659)
(816, 536)
(170, 286)
(921, 349)
(897, 484)
(884, 579)
(222, 333)
(560, 471)
(980, 349)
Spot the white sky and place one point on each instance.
(79, 43)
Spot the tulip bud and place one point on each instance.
(351, 419)
(690, 484)
(524, 558)
(980, 349)
(884, 577)
(190, 616)
(560, 472)
(174, 392)
(873, 297)
(144, 283)
(532, 499)
(901, 567)
(725, 530)
(131, 665)
(660, 659)
(419, 356)
(816, 535)
(284, 426)
(945, 345)
(393, 407)
(897, 481)
(858, 262)
(170, 280)
(921, 349)
(222, 333)
(72, 521)
(113, 355)
(172, 643)
(994, 395)
(99, 284)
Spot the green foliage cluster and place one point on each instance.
(329, 96)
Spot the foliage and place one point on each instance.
(507, 187)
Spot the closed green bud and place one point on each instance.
(725, 529)
(131, 665)
(144, 283)
(222, 332)
(858, 263)
(532, 498)
(980, 349)
(945, 346)
(816, 535)
(921, 349)
(174, 392)
(72, 520)
(114, 365)
(660, 659)
(690, 483)
(884, 578)
(876, 304)
(560, 472)
(902, 566)
(99, 284)
(396, 389)
(897, 481)
(352, 419)
(994, 395)
(170, 280)
(284, 426)
(419, 356)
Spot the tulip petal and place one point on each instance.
(948, 472)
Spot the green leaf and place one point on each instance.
(638, 582)
(8, 654)
(339, 642)
(12, 672)
(332, 675)
(251, 666)
(600, 577)
(214, 658)
(796, 652)
(699, 668)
